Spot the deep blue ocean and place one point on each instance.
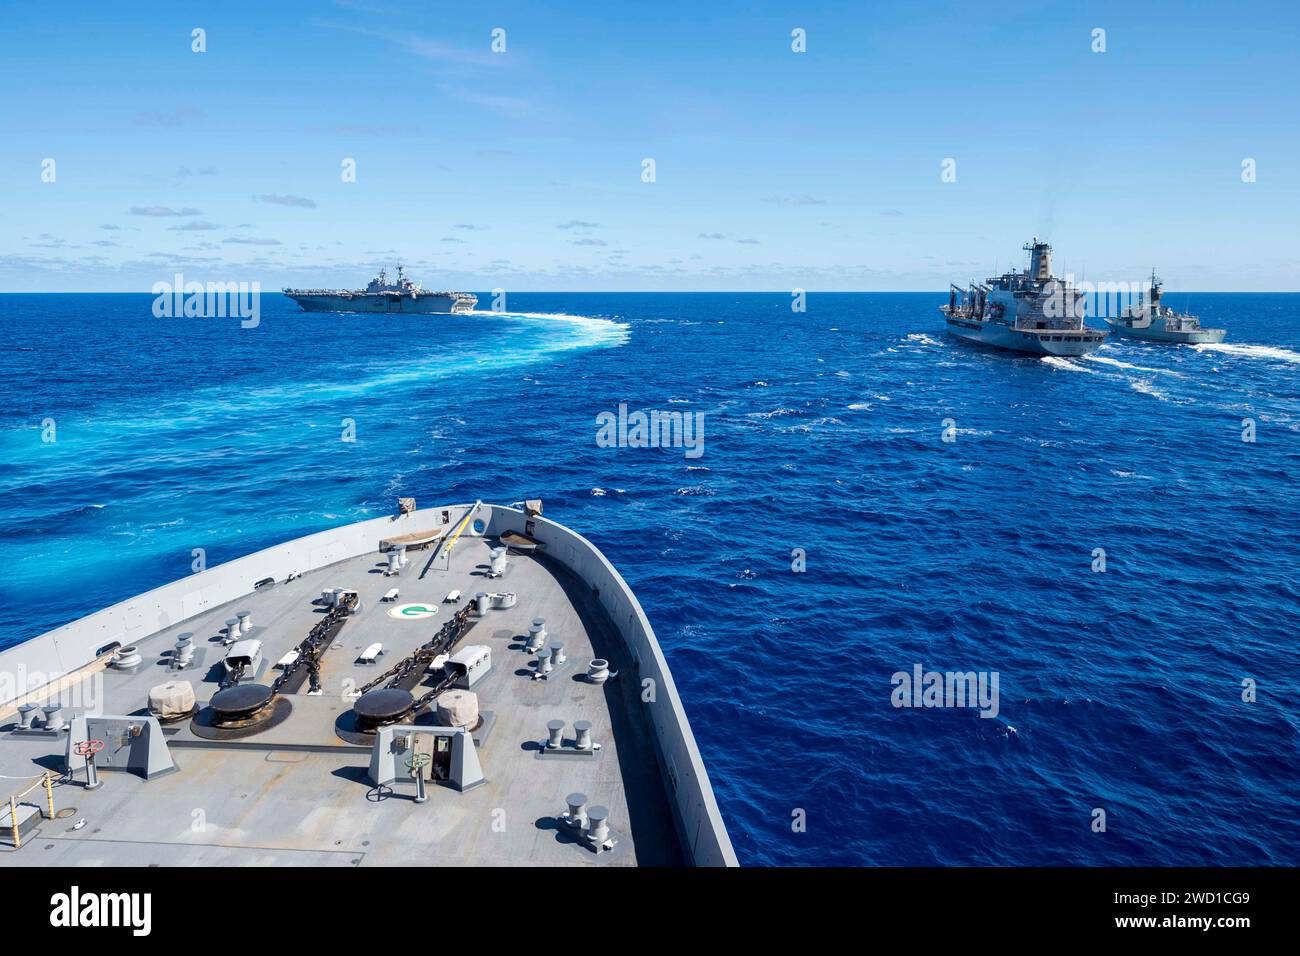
(1119, 690)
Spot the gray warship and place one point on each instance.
(1147, 319)
(461, 685)
(381, 295)
(1028, 311)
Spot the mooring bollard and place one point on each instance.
(577, 810)
(54, 717)
(27, 716)
(536, 636)
(598, 825)
(555, 731)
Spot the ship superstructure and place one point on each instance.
(1028, 311)
(1149, 320)
(383, 295)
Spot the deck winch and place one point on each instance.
(241, 705)
(380, 708)
(390, 698)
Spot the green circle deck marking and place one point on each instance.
(412, 612)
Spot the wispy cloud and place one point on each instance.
(711, 235)
(460, 69)
(515, 107)
(469, 226)
(749, 242)
(427, 48)
(241, 241)
(589, 242)
(162, 211)
(366, 129)
(196, 225)
(577, 224)
(297, 201)
(804, 200)
(173, 257)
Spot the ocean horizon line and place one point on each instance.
(785, 292)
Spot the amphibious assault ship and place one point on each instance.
(1029, 311)
(1148, 319)
(472, 684)
(382, 295)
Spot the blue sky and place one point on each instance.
(774, 170)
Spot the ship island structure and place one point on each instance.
(466, 684)
(1029, 311)
(383, 295)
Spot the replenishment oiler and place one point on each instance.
(1149, 320)
(381, 295)
(1029, 311)
(448, 686)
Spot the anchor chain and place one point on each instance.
(447, 636)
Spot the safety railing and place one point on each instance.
(45, 780)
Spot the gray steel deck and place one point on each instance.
(298, 795)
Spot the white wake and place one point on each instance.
(1065, 365)
(592, 331)
(1251, 351)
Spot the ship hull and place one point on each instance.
(1049, 342)
(432, 304)
(146, 813)
(1197, 337)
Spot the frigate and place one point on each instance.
(381, 295)
(1028, 311)
(1148, 319)
(459, 685)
